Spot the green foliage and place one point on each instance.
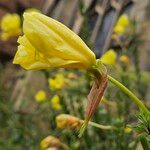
(144, 123)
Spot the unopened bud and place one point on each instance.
(64, 121)
(50, 141)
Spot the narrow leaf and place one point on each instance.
(94, 99)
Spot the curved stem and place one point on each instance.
(129, 93)
(86, 122)
(104, 127)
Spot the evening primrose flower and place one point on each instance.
(109, 58)
(55, 102)
(56, 83)
(10, 26)
(122, 24)
(47, 43)
(40, 96)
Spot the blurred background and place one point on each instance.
(31, 102)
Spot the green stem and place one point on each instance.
(129, 93)
(86, 122)
(104, 127)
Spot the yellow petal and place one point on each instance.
(58, 45)
(109, 58)
(28, 57)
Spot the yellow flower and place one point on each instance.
(109, 58)
(40, 96)
(119, 30)
(121, 25)
(57, 82)
(10, 26)
(48, 43)
(64, 121)
(55, 102)
(49, 141)
(127, 130)
(124, 59)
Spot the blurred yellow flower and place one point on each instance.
(109, 58)
(49, 141)
(127, 130)
(55, 102)
(10, 26)
(64, 121)
(40, 96)
(122, 24)
(48, 43)
(56, 83)
(124, 59)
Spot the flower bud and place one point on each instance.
(64, 121)
(124, 59)
(50, 141)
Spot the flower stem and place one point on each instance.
(85, 123)
(130, 94)
(104, 127)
